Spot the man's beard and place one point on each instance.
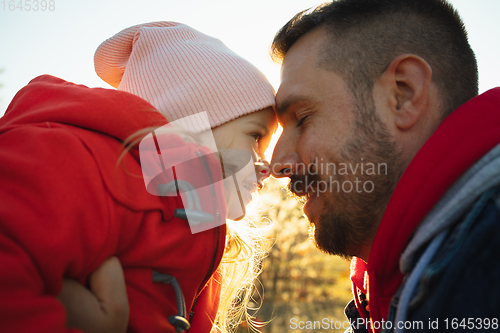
(349, 221)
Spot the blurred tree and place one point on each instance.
(297, 280)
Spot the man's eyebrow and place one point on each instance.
(283, 107)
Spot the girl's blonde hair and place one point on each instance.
(245, 248)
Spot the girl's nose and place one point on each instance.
(263, 170)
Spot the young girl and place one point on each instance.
(71, 197)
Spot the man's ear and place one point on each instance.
(410, 78)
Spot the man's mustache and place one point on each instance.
(299, 183)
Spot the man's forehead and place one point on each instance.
(306, 48)
(296, 61)
(295, 78)
(296, 88)
(299, 65)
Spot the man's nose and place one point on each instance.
(285, 159)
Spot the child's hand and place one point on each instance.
(104, 308)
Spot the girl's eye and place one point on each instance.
(256, 136)
(301, 121)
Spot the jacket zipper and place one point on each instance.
(209, 274)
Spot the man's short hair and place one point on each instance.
(364, 36)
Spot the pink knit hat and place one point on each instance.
(181, 72)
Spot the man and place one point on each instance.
(397, 158)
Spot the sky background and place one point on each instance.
(62, 42)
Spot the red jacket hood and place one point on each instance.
(461, 140)
(48, 98)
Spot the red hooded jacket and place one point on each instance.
(462, 139)
(66, 205)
